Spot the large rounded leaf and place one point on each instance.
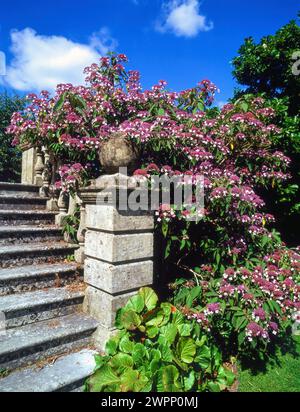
(126, 345)
(111, 346)
(136, 303)
(189, 381)
(152, 331)
(150, 297)
(133, 381)
(203, 357)
(121, 362)
(186, 349)
(168, 379)
(169, 332)
(139, 354)
(130, 320)
(102, 378)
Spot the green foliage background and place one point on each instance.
(10, 157)
(265, 69)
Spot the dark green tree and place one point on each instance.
(10, 157)
(269, 66)
(271, 69)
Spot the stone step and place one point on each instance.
(67, 374)
(34, 343)
(24, 217)
(30, 307)
(35, 253)
(29, 234)
(33, 277)
(22, 202)
(10, 189)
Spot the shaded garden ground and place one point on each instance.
(284, 376)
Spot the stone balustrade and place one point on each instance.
(117, 253)
(116, 246)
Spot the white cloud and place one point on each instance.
(221, 104)
(183, 18)
(41, 62)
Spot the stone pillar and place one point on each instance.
(118, 261)
(39, 168)
(28, 165)
(62, 207)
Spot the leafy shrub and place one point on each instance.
(248, 308)
(266, 66)
(158, 349)
(10, 157)
(70, 226)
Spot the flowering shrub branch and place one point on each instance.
(244, 288)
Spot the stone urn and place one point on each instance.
(118, 152)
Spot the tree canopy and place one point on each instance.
(267, 66)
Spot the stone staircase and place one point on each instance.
(47, 344)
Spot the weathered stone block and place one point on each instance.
(118, 248)
(102, 335)
(103, 306)
(108, 218)
(28, 163)
(118, 278)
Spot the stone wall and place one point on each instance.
(118, 261)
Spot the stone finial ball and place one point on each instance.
(118, 152)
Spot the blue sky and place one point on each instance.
(181, 41)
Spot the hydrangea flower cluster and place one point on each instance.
(260, 302)
(71, 176)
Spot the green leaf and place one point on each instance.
(150, 297)
(60, 102)
(178, 318)
(168, 379)
(203, 357)
(166, 353)
(128, 380)
(99, 359)
(101, 378)
(154, 366)
(121, 361)
(189, 381)
(186, 349)
(77, 101)
(155, 318)
(155, 354)
(136, 303)
(139, 354)
(152, 332)
(126, 345)
(169, 332)
(111, 346)
(130, 320)
(185, 329)
(241, 338)
(214, 387)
